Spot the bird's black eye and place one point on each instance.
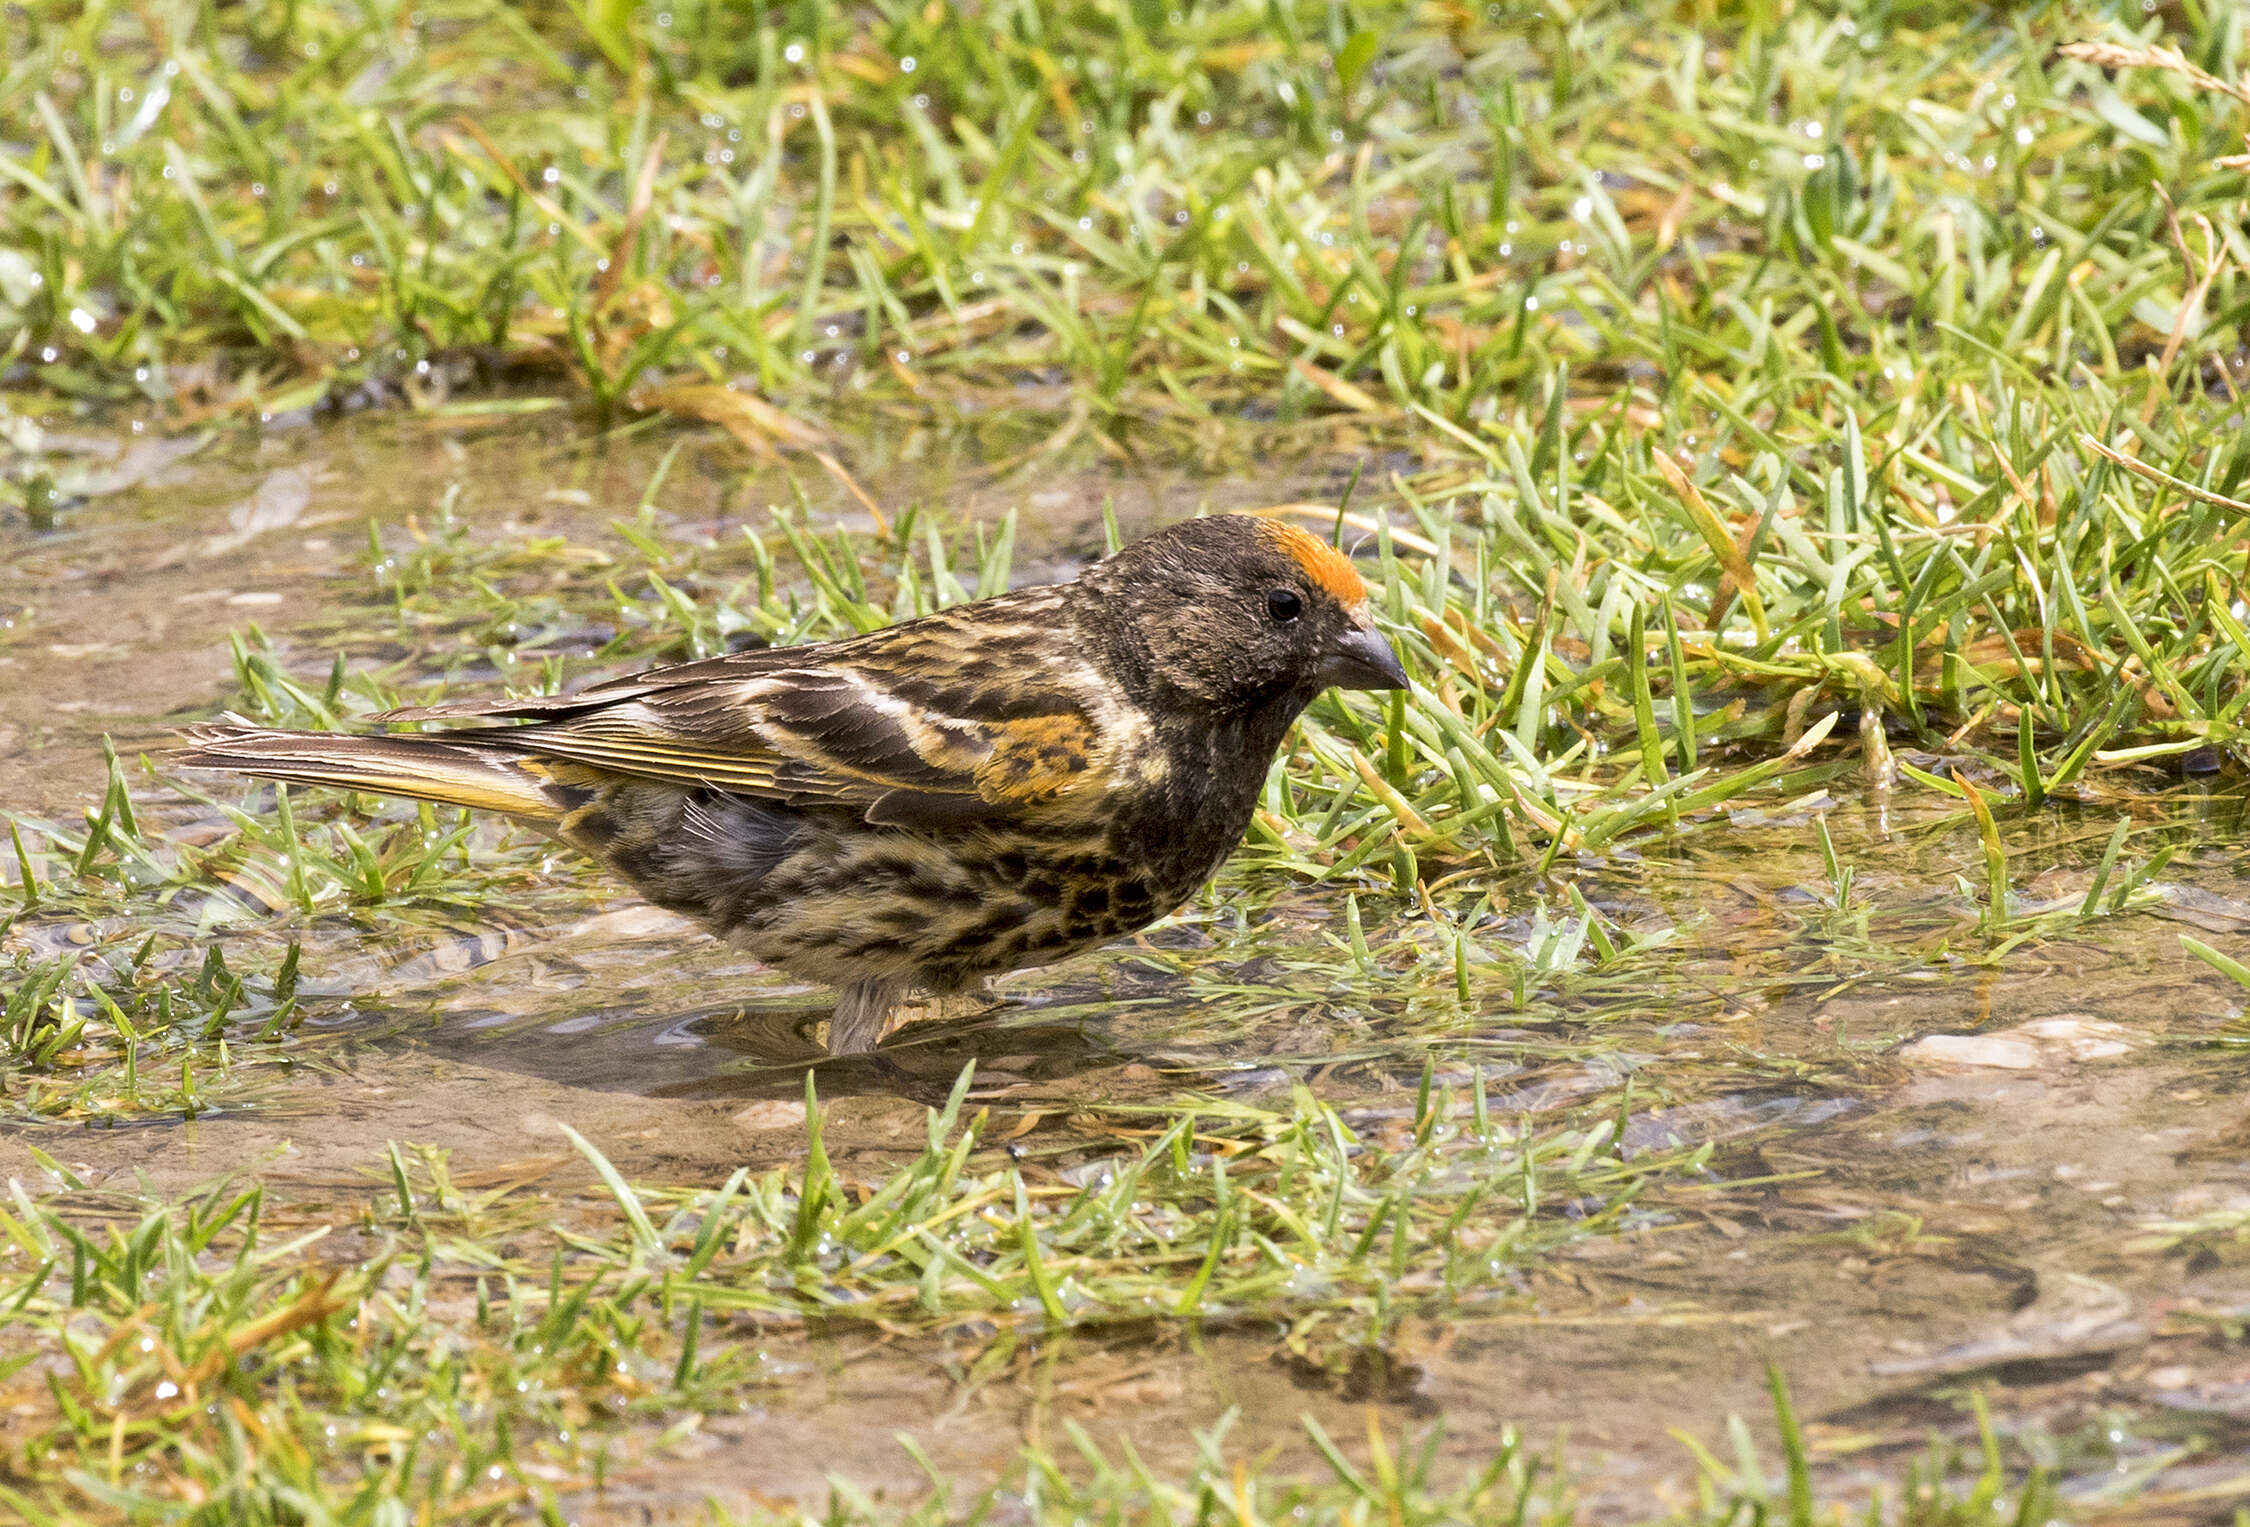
(1283, 604)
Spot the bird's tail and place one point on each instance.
(425, 766)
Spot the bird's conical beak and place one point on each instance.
(1362, 660)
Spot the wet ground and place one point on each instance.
(1935, 1172)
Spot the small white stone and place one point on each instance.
(1995, 1050)
(2059, 1040)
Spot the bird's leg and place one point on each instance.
(861, 1014)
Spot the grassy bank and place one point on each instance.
(1876, 359)
(1154, 211)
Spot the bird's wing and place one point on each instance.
(938, 720)
(827, 735)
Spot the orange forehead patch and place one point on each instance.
(1328, 568)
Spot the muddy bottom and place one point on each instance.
(1933, 1173)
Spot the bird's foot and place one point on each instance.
(945, 1007)
(868, 1012)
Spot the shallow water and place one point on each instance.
(1934, 1169)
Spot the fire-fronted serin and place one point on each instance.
(995, 786)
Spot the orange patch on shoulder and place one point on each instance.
(1035, 757)
(1328, 568)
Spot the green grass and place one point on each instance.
(1779, 345)
(1795, 401)
(200, 1358)
(154, 971)
(1330, 1221)
(630, 1305)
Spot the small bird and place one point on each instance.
(994, 786)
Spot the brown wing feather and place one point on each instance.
(944, 718)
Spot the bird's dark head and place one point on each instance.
(1232, 614)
